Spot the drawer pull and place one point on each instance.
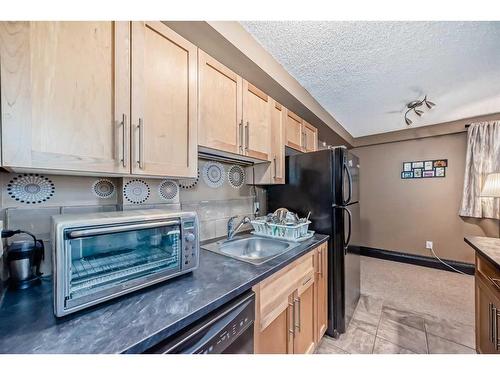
(306, 281)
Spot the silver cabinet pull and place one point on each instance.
(247, 135)
(490, 322)
(240, 128)
(305, 140)
(124, 138)
(274, 161)
(496, 313)
(140, 127)
(297, 300)
(320, 263)
(292, 330)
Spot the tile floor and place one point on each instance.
(383, 324)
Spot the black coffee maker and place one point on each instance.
(24, 258)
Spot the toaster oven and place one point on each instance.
(101, 256)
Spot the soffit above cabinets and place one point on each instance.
(364, 73)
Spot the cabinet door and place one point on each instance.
(164, 108)
(304, 341)
(274, 172)
(487, 319)
(310, 138)
(220, 106)
(65, 96)
(293, 131)
(278, 118)
(321, 291)
(276, 338)
(256, 122)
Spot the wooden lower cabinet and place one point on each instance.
(320, 290)
(287, 311)
(304, 323)
(487, 285)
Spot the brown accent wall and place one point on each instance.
(400, 215)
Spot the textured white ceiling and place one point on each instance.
(364, 73)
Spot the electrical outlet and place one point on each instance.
(428, 244)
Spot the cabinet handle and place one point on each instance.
(292, 330)
(495, 327)
(320, 263)
(297, 300)
(124, 145)
(490, 322)
(305, 140)
(240, 127)
(141, 143)
(274, 161)
(247, 135)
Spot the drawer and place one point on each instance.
(488, 272)
(274, 291)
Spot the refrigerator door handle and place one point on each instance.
(349, 178)
(349, 222)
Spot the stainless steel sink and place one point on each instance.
(251, 249)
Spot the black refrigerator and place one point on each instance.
(326, 183)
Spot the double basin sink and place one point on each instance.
(251, 249)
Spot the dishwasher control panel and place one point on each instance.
(228, 334)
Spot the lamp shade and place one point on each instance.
(491, 187)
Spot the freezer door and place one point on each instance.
(350, 178)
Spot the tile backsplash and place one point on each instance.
(75, 194)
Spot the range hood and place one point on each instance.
(227, 157)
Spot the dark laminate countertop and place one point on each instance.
(137, 321)
(489, 247)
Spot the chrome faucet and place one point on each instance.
(232, 229)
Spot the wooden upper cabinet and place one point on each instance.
(256, 122)
(293, 131)
(273, 172)
(309, 138)
(65, 95)
(278, 119)
(164, 102)
(220, 106)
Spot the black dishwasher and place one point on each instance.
(227, 330)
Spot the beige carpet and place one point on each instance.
(443, 294)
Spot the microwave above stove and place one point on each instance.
(101, 256)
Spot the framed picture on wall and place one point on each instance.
(428, 165)
(417, 164)
(417, 173)
(440, 172)
(407, 167)
(406, 174)
(428, 174)
(440, 163)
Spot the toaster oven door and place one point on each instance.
(103, 262)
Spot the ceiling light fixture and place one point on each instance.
(413, 106)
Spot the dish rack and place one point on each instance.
(281, 231)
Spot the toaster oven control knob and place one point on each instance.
(189, 237)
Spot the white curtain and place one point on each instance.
(483, 157)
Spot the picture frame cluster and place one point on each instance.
(424, 169)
